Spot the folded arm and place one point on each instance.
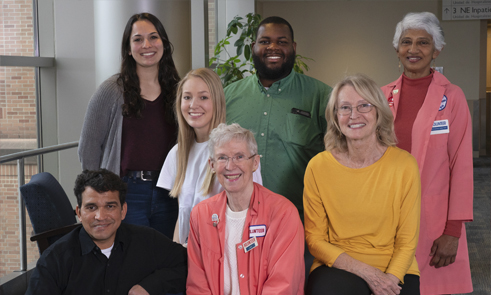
(171, 276)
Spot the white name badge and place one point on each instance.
(250, 244)
(257, 230)
(440, 127)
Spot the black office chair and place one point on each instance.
(49, 209)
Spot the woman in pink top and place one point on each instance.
(432, 122)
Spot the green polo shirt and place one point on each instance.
(289, 124)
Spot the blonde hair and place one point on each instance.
(186, 136)
(368, 89)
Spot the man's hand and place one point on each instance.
(444, 251)
(138, 290)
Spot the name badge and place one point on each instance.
(257, 230)
(440, 127)
(249, 244)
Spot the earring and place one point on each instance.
(434, 63)
(399, 66)
(212, 171)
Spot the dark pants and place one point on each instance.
(334, 281)
(151, 206)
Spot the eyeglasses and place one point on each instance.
(361, 108)
(239, 159)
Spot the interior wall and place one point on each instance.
(488, 61)
(112, 16)
(75, 79)
(74, 41)
(347, 37)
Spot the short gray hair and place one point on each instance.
(420, 21)
(225, 133)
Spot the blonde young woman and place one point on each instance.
(199, 107)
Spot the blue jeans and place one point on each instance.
(149, 205)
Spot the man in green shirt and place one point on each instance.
(284, 109)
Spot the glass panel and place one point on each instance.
(18, 130)
(16, 28)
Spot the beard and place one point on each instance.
(265, 72)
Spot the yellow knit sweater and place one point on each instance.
(371, 213)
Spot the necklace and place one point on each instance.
(369, 160)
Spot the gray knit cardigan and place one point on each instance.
(100, 140)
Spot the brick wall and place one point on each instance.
(17, 121)
(9, 220)
(17, 85)
(17, 103)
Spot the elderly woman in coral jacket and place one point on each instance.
(247, 239)
(433, 123)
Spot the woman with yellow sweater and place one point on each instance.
(362, 199)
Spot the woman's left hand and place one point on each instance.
(444, 251)
(381, 283)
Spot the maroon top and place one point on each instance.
(147, 140)
(413, 93)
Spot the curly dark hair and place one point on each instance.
(128, 78)
(101, 181)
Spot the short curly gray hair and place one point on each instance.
(420, 21)
(225, 133)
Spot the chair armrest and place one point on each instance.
(55, 232)
(42, 238)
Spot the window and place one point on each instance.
(18, 123)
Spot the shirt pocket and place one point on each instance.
(300, 130)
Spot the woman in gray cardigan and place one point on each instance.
(130, 127)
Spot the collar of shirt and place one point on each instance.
(277, 86)
(87, 245)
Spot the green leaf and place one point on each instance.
(239, 42)
(247, 52)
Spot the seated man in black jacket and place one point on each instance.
(106, 256)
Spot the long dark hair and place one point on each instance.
(128, 78)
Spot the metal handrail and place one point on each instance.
(20, 178)
(36, 152)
